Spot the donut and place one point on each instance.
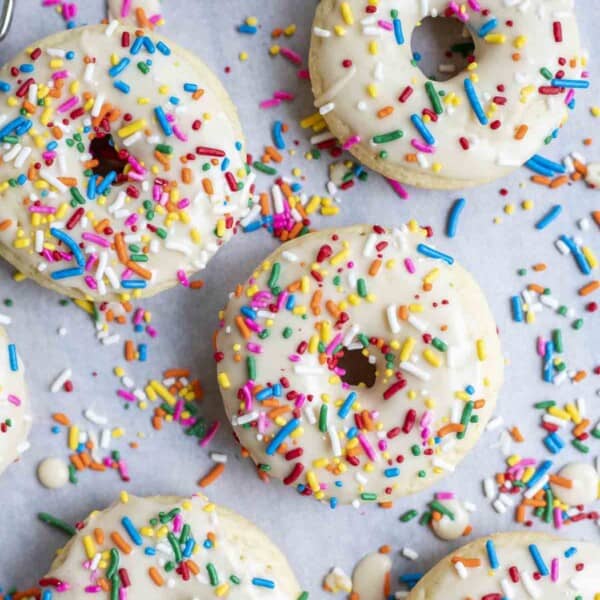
(123, 165)
(515, 565)
(142, 13)
(167, 547)
(358, 364)
(15, 417)
(473, 128)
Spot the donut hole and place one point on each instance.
(442, 47)
(102, 149)
(359, 369)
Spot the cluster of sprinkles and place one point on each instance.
(107, 226)
(358, 443)
(417, 121)
(179, 547)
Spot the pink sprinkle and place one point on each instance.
(135, 165)
(125, 8)
(95, 239)
(385, 25)
(123, 471)
(300, 401)
(398, 188)
(254, 348)
(252, 325)
(90, 282)
(60, 75)
(410, 265)
(558, 520)
(179, 134)
(292, 56)
(138, 317)
(14, 400)
(333, 344)
(183, 278)
(70, 103)
(48, 255)
(271, 103)
(151, 331)
(445, 496)
(303, 74)
(569, 96)
(91, 261)
(294, 358)
(422, 147)
(48, 155)
(351, 141)
(474, 4)
(554, 570)
(126, 395)
(177, 523)
(281, 300)
(183, 203)
(179, 405)
(92, 589)
(46, 210)
(131, 219)
(541, 346)
(364, 442)
(283, 95)
(210, 434)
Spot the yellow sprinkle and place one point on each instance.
(163, 392)
(407, 348)
(495, 38)
(432, 358)
(481, 354)
(89, 546)
(73, 437)
(132, 128)
(559, 413)
(224, 382)
(347, 13)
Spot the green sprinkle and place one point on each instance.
(439, 507)
(416, 450)
(546, 73)
(425, 518)
(260, 166)
(303, 596)
(465, 419)
(368, 496)
(251, 367)
(439, 344)
(361, 287)
(114, 563)
(274, 278)
(56, 522)
(580, 446)
(434, 98)
(212, 574)
(143, 67)
(384, 138)
(287, 332)
(578, 324)
(544, 404)
(164, 149)
(235, 579)
(557, 340)
(161, 233)
(409, 515)
(323, 418)
(76, 195)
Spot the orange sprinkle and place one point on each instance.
(580, 376)
(208, 186)
(539, 267)
(559, 181)
(561, 481)
(534, 287)
(120, 248)
(152, 571)
(521, 132)
(212, 476)
(450, 428)
(129, 350)
(521, 513)
(596, 217)
(99, 536)
(315, 303)
(467, 562)
(186, 175)
(137, 268)
(590, 287)
(120, 543)
(540, 179)
(580, 429)
(242, 327)
(516, 434)
(386, 111)
(333, 309)
(61, 419)
(374, 267)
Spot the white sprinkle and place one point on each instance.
(489, 488)
(461, 570)
(495, 423)
(392, 317)
(60, 380)
(414, 370)
(111, 28)
(94, 418)
(499, 506)
(409, 553)
(323, 33)
(218, 457)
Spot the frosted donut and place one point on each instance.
(358, 364)
(515, 565)
(123, 168)
(167, 547)
(15, 418)
(473, 128)
(136, 13)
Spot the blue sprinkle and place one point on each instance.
(252, 226)
(52, 145)
(549, 164)
(27, 68)
(47, 595)
(470, 390)
(119, 67)
(174, 100)
(11, 126)
(290, 302)
(162, 121)
(333, 502)
(248, 29)
(4, 86)
(189, 548)
(13, 359)
(149, 45)
(137, 45)
(539, 561)
(23, 128)
(392, 472)
(539, 168)
(264, 394)
(453, 217)
(70, 243)
(492, 556)
(398, 33)
(352, 433)
(550, 216)
(132, 531)
(266, 583)
(225, 164)
(149, 551)
(433, 253)
(422, 129)
(548, 374)
(544, 467)
(66, 273)
(190, 87)
(143, 352)
(91, 187)
(106, 183)
(122, 86)
(70, 55)
(578, 255)
(474, 101)
(277, 390)
(347, 405)
(487, 27)
(248, 312)
(279, 438)
(163, 48)
(571, 83)
(133, 284)
(517, 309)
(278, 135)
(22, 179)
(570, 552)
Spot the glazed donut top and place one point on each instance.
(122, 163)
(358, 364)
(478, 125)
(515, 565)
(15, 420)
(176, 548)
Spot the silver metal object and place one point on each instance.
(6, 17)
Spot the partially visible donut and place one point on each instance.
(174, 548)
(123, 167)
(15, 418)
(473, 128)
(136, 13)
(358, 364)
